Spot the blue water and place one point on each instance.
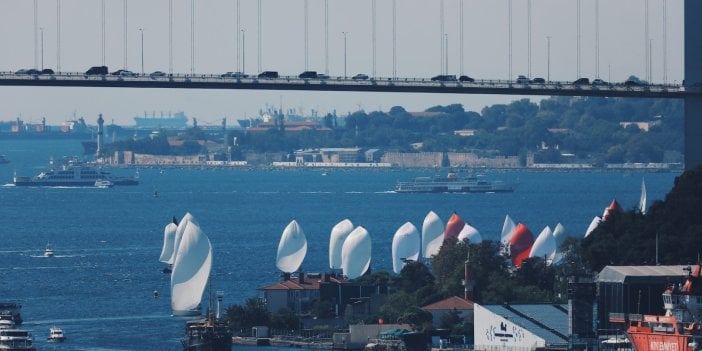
(99, 287)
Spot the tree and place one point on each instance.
(243, 317)
(414, 276)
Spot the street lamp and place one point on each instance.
(243, 51)
(344, 33)
(142, 50)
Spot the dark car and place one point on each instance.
(598, 81)
(47, 71)
(360, 76)
(538, 81)
(322, 76)
(268, 74)
(581, 81)
(466, 79)
(30, 71)
(633, 82)
(308, 75)
(444, 78)
(96, 70)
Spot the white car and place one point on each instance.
(126, 73)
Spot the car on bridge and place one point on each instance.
(466, 79)
(30, 71)
(157, 74)
(522, 80)
(598, 81)
(444, 78)
(581, 81)
(322, 76)
(234, 75)
(538, 80)
(308, 75)
(47, 71)
(360, 76)
(268, 74)
(96, 70)
(126, 73)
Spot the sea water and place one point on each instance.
(100, 285)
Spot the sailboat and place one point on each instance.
(169, 233)
(336, 240)
(432, 234)
(191, 270)
(292, 248)
(405, 246)
(356, 253)
(642, 199)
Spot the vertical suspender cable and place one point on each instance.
(260, 36)
(646, 42)
(170, 36)
(306, 37)
(125, 33)
(36, 36)
(394, 39)
(509, 18)
(441, 35)
(238, 35)
(529, 39)
(460, 58)
(326, 37)
(103, 33)
(665, 41)
(58, 35)
(578, 39)
(597, 38)
(374, 34)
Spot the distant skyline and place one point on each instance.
(421, 50)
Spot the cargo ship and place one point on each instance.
(177, 120)
(680, 328)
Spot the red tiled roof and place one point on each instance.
(453, 302)
(294, 284)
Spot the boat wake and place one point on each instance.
(95, 319)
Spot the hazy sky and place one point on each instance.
(622, 50)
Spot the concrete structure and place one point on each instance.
(520, 327)
(693, 78)
(624, 290)
(454, 303)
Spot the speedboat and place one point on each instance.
(104, 183)
(49, 251)
(56, 334)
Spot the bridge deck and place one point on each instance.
(402, 85)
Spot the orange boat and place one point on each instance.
(680, 329)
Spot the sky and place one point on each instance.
(420, 50)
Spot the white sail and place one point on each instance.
(292, 248)
(642, 200)
(560, 234)
(507, 230)
(544, 246)
(191, 271)
(405, 246)
(336, 240)
(168, 242)
(356, 253)
(471, 234)
(595, 222)
(179, 235)
(432, 234)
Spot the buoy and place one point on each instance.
(155, 294)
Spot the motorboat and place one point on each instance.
(104, 183)
(49, 251)
(56, 335)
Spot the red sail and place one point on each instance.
(453, 227)
(520, 244)
(613, 207)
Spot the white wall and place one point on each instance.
(492, 332)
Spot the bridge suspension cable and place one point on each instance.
(58, 35)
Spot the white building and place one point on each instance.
(519, 327)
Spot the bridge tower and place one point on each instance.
(693, 75)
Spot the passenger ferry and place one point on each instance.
(16, 339)
(452, 183)
(73, 173)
